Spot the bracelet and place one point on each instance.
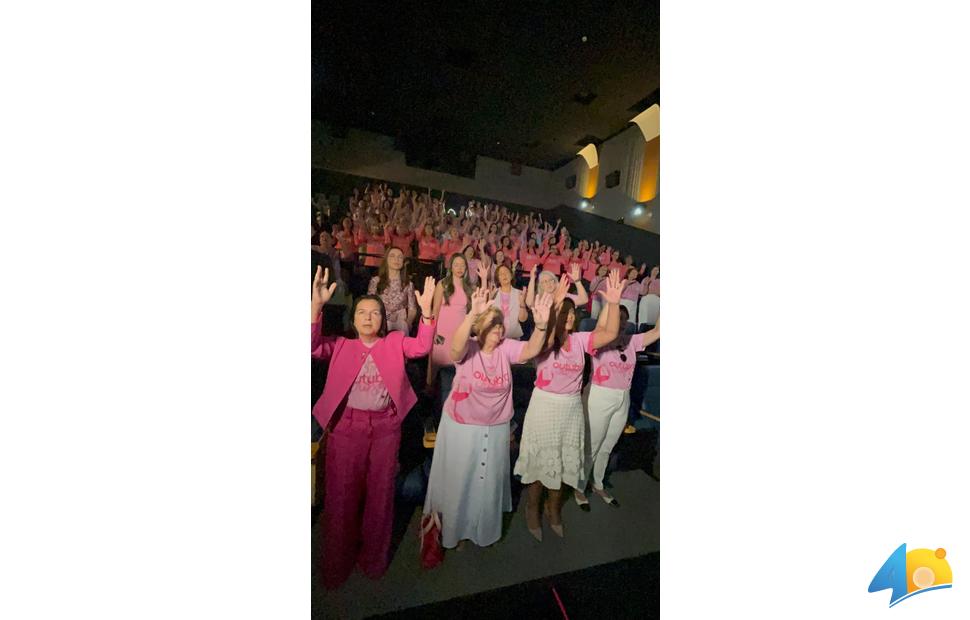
(541, 329)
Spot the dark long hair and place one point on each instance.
(559, 335)
(448, 286)
(622, 338)
(382, 271)
(353, 312)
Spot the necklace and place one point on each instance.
(485, 368)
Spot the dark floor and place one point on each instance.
(627, 588)
(599, 538)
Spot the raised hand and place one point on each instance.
(321, 291)
(561, 290)
(532, 273)
(574, 272)
(614, 288)
(482, 273)
(479, 300)
(540, 311)
(426, 296)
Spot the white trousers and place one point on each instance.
(607, 413)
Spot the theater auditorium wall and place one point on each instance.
(372, 155)
(637, 162)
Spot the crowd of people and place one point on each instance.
(487, 271)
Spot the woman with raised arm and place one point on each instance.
(551, 452)
(608, 400)
(429, 248)
(511, 301)
(396, 291)
(469, 485)
(598, 285)
(548, 283)
(651, 284)
(452, 300)
(364, 401)
(632, 292)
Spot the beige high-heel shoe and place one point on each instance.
(536, 532)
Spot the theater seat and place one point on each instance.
(446, 375)
(650, 403)
(649, 309)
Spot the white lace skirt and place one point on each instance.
(553, 434)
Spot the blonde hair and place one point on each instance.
(488, 319)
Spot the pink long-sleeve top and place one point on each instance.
(554, 263)
(528, 259)
(589, 267)
(391, 238)
(347, 357)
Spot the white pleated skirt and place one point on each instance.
(470, 483)
(553, 439)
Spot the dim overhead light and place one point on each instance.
(583, 204)
(638, 211)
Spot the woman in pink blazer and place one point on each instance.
(366, 397)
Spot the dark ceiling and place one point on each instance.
(510, 80)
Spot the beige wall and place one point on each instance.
(615, 202)
(371, 155)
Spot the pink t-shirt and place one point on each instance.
(368, 391)
(631, 291)
(554, 264)
(563, 373)
(481, 392)
(528, 260)
(609, 369)
(653, 287)
(429, 248)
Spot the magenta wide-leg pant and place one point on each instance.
(358, 508)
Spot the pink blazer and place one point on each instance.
(347, 357)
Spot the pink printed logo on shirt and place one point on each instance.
(568, 367)
(499, 380)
